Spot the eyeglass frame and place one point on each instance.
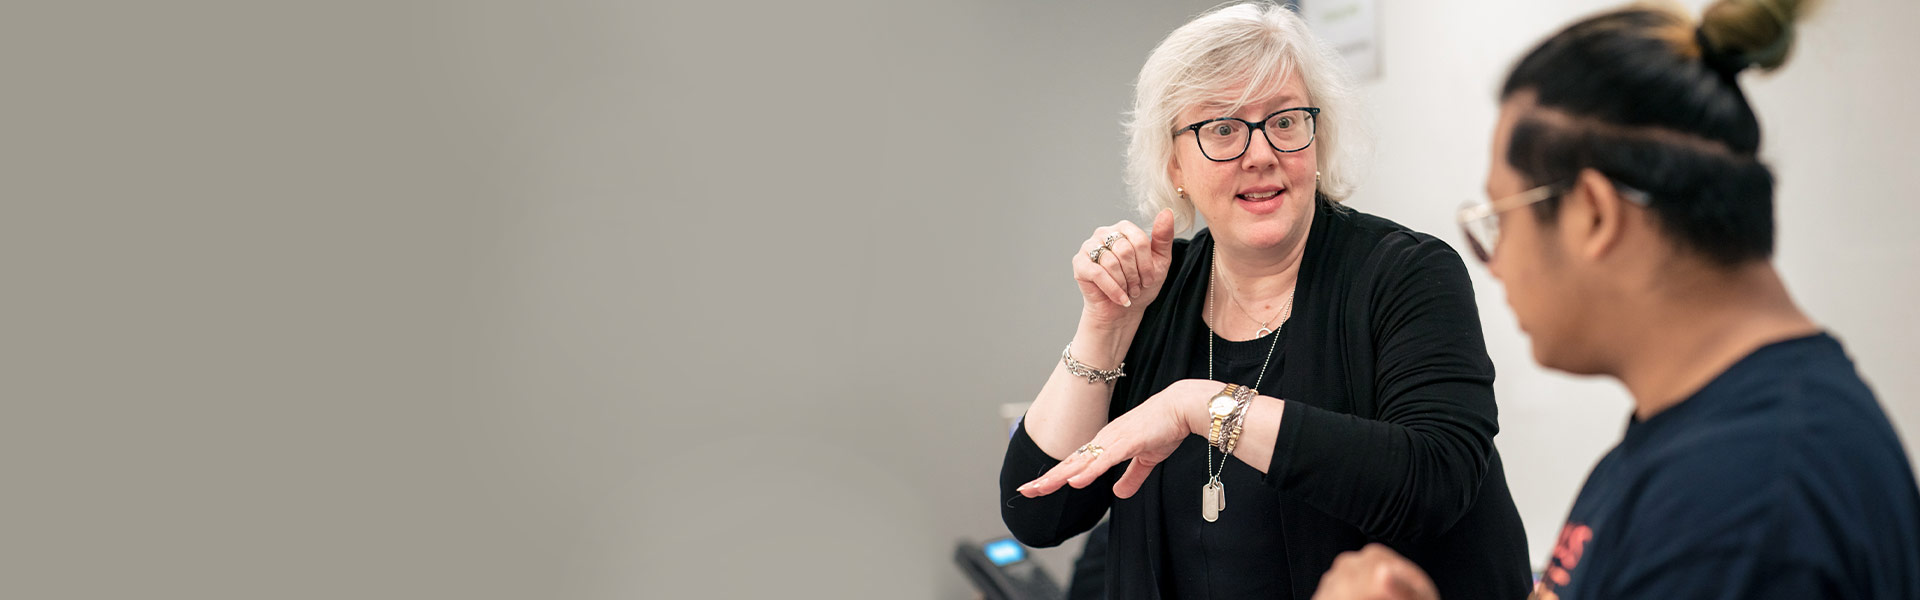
(1313, 133)
(1475, 211)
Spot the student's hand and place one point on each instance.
(1375, 573)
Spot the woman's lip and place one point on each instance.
(1262, 206)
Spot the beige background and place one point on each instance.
(648, 300)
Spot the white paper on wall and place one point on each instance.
(1352, 28)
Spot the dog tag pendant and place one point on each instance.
(1212, 500)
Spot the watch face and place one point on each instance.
(1222, 405)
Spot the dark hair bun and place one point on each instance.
(1736, 34)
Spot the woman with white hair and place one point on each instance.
(1296, 380)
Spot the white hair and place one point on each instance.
(1253, 48)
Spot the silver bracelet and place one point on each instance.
(1080, 369)
(1236, 419)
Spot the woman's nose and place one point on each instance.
(1260, 154)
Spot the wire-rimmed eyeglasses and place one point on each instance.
(1480, 219)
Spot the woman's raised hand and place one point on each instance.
(1121, 268)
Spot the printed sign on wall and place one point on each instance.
(1352, 28)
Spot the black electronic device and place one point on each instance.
(1003, 570)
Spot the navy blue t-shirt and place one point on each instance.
(1781, 478)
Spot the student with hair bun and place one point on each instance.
(1631, 223)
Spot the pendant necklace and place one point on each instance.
(1266, 327)
(1213, 495)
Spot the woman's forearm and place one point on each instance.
(1069, 410)
(1258, 429)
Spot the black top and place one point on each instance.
(1239, 555)
(1387, 432)
(1781, 478)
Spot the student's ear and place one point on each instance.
(1593, 215)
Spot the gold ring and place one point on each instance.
(1090, 449)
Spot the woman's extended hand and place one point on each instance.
(1129, 270)
(1375, 573)
(1146, 435)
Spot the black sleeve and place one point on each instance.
(1052, 519)
(1049, 520)
(1414, 472)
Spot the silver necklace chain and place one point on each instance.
(1213, 313)
(1265, 326)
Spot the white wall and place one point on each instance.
(589, 300)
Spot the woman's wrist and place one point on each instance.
(1191, 404)
(1124, 325)
(1102, 345)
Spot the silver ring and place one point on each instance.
(1094, 254)
(1108, 241)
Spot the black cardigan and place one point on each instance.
(1387, 434)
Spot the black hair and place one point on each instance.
(1653, 102)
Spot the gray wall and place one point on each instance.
(597, 300)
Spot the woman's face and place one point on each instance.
(1262, 200)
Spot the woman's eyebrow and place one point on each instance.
(1222, 108)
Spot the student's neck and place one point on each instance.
(1696, 330)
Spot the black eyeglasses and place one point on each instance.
(1226, 138)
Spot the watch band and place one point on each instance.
(1219, 419)
(1225, 430)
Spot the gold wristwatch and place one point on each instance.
(1220, 407)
